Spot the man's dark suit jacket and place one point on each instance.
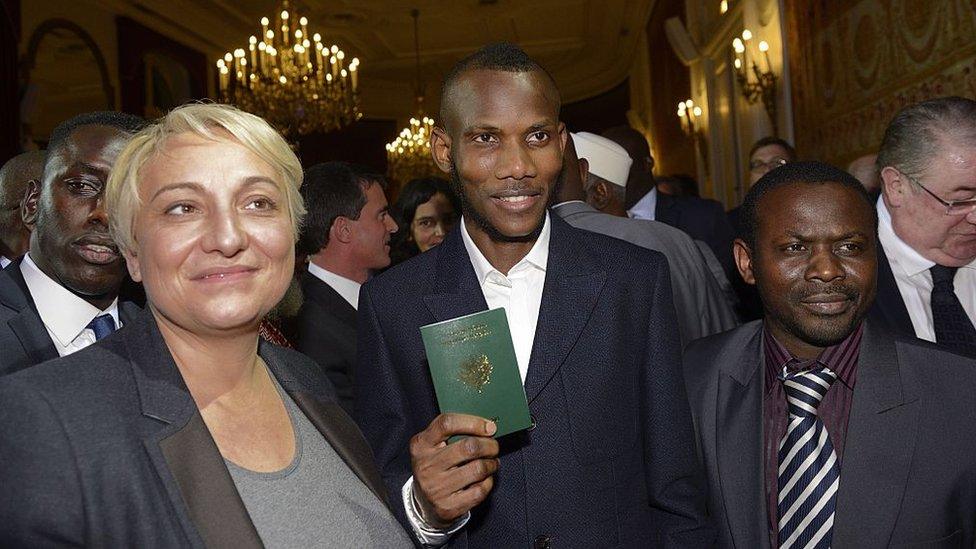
(611, 459)
(704, 220)
(106, 448)
(24, 341)
(327, 334)
(889, 308)
(908, 474)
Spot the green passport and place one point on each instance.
(474, 369)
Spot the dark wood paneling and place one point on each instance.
(598, 113)
(135, 41)
(10, 80)
(671, 83)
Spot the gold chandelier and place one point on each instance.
(292, 79)
(408, 156)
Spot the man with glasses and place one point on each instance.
(14, 175)
(766, 154)
(927, 224)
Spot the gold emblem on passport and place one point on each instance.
(475, 372)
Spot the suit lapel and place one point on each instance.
(889, 307)
(880, 444)
(739, 444)
(573, 284)
(184, 454)
(456, 290)
(317, 290)
(27, 324)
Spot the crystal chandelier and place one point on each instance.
(408, 156)
(292, 79)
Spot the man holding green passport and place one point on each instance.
(610, 458)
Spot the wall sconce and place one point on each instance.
(691, 124)
(758, 83)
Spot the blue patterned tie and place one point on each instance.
(102, 325)
(953, 328)
(808, 470)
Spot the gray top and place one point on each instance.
(316, 501)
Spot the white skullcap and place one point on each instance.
(606, 158)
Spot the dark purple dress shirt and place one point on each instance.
(833, 410)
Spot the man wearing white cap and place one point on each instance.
(596, 168)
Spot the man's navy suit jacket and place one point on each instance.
(24, 341)
(908, 473)
(611, 459)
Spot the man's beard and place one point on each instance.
(469, 211)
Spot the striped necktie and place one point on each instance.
(808, 470)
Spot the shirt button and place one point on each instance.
(542, 542)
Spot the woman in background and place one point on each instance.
(426, 210)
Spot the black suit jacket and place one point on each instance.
(610, 461)
(889, 308)
(327, 334)
(908, 475)
(704, 220)
(106, 447)
(24, 341)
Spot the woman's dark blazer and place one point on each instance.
(106, 447)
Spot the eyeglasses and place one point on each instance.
(953, 207)
(757, 165)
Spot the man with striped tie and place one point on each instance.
(815, 427)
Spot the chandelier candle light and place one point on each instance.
(291, 78)
(691, 124)
(763, 87)
(408, 156)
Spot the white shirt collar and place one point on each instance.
(4, 262)
(644, 208)
(538, 256)
(554, 206)
(348, 289)
(63, 313)
(897, 250)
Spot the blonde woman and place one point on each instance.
(183, 428)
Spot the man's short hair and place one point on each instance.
(330, 190)
(789, 174)
(915, 134)
(128, 123)
(501, 56)
(20, 169)
(773, 140)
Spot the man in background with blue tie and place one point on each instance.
(62, 295)
(818, 428)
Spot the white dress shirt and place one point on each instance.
(348, 289)
(914, 280)
(65, 315)
(4, 262)
(519, 292)
(644, 208)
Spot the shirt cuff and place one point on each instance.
(427, 534)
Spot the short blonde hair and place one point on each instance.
(210, 121)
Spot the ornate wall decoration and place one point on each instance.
(855, 64)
